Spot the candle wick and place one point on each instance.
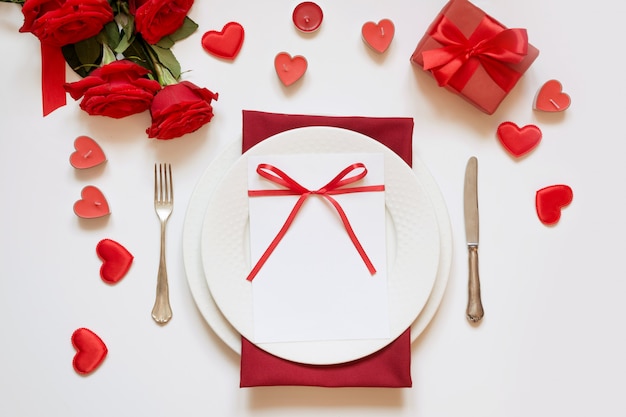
(285, 68)
(97, 203)
(307, 19)
(86, 155)
(382, 31)
(554, 104)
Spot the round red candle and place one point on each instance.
(307, 16)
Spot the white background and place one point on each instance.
(553, 340)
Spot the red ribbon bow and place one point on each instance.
(490, 45)
(333, 187)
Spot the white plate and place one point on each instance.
(412, 241)
(192, 231)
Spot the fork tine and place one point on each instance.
(170, 193)
(156, 182)
(161, 184)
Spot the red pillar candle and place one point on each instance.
(307, 16)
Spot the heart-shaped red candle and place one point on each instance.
(289, 69)
(550, 200)
(378, 35)
(225, 43)
(88, 153)
(90, 351)
(92, 204)
(116, 260)
(518, 141)
(551, 98)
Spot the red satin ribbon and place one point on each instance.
(333, 187)
(490, 45)
(52, 78)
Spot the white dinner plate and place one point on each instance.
(412, 242)
(192, 232)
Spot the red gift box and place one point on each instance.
(473, 55)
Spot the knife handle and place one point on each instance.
(474, 304)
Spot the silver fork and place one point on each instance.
(163, 205)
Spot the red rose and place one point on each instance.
(157, 18)
(63, 22)
(180, 108)
(116, 90)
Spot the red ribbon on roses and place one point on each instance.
(52, 78)
(333, 187)
(490, 45)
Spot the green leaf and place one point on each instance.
(72, 59)
(127, 34)
(187, 28)
(136, 53)
(166, 42)
(112, 34)
(84, 56)
(124, 43)
(108, 55)
(167, 59)
(88, 51)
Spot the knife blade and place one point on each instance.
(474, 310)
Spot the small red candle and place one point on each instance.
(307, 16)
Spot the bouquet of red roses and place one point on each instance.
(122, 49)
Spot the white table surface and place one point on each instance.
(553, 340)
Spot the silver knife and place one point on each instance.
(470, 202)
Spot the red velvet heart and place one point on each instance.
(90, 351)
(551, 98)
(116, 260)
(92, 204)
(518, 141)
(550, 200)
(88, 153)
(378, 35)
(289, 69)
(225, 43)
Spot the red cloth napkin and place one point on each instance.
(390, 366)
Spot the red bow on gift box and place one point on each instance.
(490, 45)
(333, 187)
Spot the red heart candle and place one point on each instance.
(288, 69)
(88, 153)
(307, 16)
(551, 98)
(378, 35)
(92, 204)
